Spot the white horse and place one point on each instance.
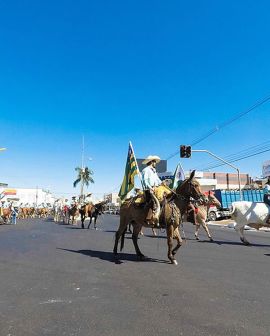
(252, 214)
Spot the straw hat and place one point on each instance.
(151, 158)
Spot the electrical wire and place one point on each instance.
(245, 152)
(224, 124)
(239, 159)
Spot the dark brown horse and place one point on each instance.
(96, 210)
(169, 218)
(72, 213)
(85, 211)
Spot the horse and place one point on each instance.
(6, 214)
(202, 212)
(73, 212)
(85, 211)
(169, 217)
(252, 214)
(96, 210)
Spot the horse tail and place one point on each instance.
(123, 240)
(233, 210)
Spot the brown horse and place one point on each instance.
(85, 211)
(72, 213)
(201, 216)
(96, 210)
(170, 217)
(6, 214)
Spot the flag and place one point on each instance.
(179, 175)
(130, 172)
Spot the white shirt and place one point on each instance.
(150, 177)
(88, 199)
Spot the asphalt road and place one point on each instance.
(62, 280)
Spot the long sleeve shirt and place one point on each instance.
(150, 178)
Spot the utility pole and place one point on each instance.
(36, 196)
(82, 181)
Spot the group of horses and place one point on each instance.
(171, 213)
(168, 215)
(23, 212)
(70, 214)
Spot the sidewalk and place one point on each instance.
(230, 224)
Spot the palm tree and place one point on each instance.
(84, 176)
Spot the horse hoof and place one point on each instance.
(211, 239)
(197, 238)
(174, 262)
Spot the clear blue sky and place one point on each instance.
(158, 73)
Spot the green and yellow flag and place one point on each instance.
(130, 172)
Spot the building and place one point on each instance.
(31, 196)
(215, 180)
(266, 169)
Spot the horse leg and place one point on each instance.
(82, 220)
(136, 230)
(240, 229)
(205, 226)
(179, 242)
(154, 232)
(170, 244)
(95, 223)
(121, 230)
(197, 231)
(90, 221)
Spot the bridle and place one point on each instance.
(197, 197)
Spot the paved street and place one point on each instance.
(61, 280)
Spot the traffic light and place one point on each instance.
(185, 151)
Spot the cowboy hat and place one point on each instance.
(151, 158)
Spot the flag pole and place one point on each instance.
(139, 173)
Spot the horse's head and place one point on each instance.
(100, 207)
(190, 188)
(212, 200)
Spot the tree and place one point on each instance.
(84, 176)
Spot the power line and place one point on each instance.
(239, 159)
(245, 152)
(224, 124)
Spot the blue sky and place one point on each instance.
(157, 73)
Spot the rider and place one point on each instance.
(88, 199)
(150, 178)
(266, 196)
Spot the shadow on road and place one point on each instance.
(109, 256)
(74, 228)
(221, 242)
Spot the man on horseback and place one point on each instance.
(149, 174)
(152, 184)
(88, 199)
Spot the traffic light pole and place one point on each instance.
(226, 162)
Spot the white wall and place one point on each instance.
(30, 196)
